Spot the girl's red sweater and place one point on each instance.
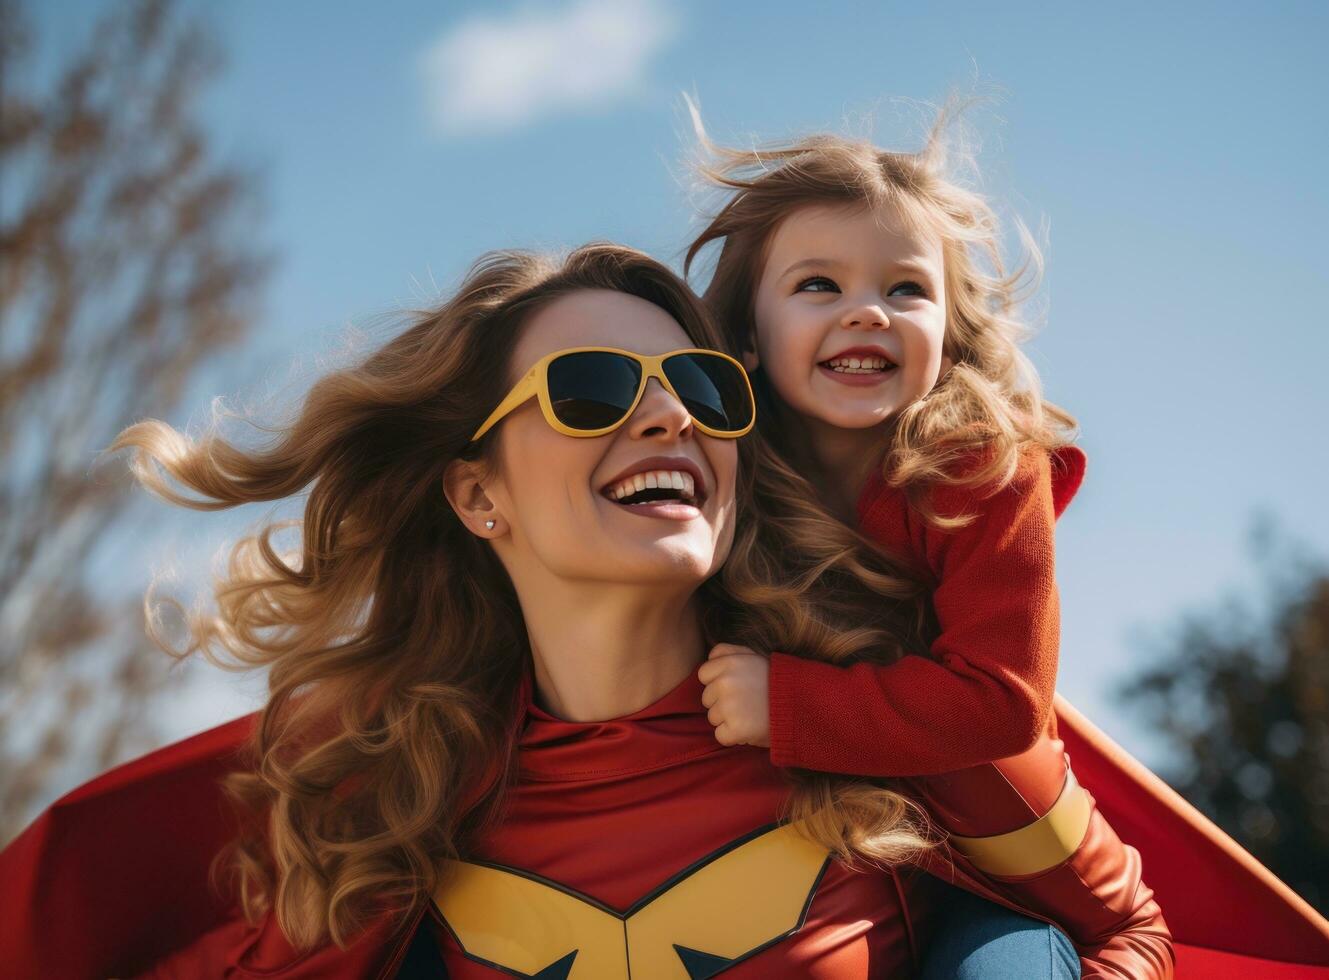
(988, 690)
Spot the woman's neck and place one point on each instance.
(603, 651)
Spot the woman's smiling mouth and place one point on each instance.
(659, 487)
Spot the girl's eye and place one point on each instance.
(911, 285)
(820, 284)
(817, 284)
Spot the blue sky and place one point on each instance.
(1171, 149)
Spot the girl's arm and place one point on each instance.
(1020, 828)
(987, 692)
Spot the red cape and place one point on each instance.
(1231, 918)
(111, 877)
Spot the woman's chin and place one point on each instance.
(671, 543)
(674, 560)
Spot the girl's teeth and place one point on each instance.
(858, 365)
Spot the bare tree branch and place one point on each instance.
(126, 262)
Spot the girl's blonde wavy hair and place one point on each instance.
(990, 403)
(396, 640)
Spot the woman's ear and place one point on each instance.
(464, 489)
(750, 359)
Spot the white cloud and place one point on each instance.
(498, 72)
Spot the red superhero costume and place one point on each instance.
(637, 846)
(110, 879)
(1024, 820)
(639, 842)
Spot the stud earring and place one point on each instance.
(489, 524)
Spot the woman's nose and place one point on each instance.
(659, 413)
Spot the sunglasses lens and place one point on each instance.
(714, 390)
(592, 390)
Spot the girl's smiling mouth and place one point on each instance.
(857, 378)
(859, 366)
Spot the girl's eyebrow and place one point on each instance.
(804, 263)
(905, 266)
(918, 268)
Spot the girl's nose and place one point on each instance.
(865, 316)
(658, 414)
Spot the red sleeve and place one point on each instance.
(987, 691)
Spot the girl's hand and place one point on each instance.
(737, 693)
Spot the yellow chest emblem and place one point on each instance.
(728, 906)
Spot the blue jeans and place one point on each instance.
(981, 940)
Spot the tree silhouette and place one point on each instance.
(126, 261)
(1243, 700)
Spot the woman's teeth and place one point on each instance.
(675, 484)
(858, 365)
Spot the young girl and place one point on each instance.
(889, 368)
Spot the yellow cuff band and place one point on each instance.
(1038, 846)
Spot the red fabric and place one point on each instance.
(611, 809)
(1230, 915)
(614, 809)
(993, 593)
(112, 880)
(1207, 964)
(234, 950)
(854, 720)
(75, 883)
(987, 692)
(1097, 895)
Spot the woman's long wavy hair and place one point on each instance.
(394, 637)
(989, 406)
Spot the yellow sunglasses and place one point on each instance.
(591, 391)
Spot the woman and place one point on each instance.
(484, 740)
